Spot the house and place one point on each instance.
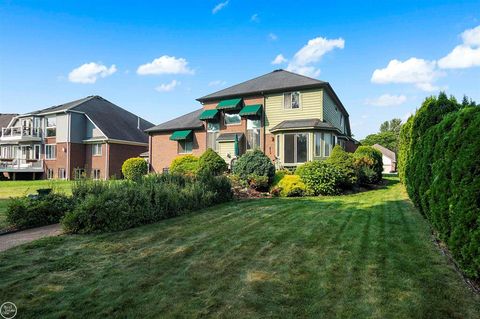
(388, 157)
(87, 137)
(290, 117)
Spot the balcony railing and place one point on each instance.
(20, 164)
(20, 132)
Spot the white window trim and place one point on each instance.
(178, 149)
(97, 145)
(296, 162)
(99, 174)
(232, 124)
(291, 95)
(55, 147)
(319, 136)
(64, 173)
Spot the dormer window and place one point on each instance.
(291, 100)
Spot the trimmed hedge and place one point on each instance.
(28, 212)
(440, 166)
(134, 168)
(122, 205)
(369, 165)
(345, 163)
(211, 162)
(184, 164)
(321, 178)
(254, 162)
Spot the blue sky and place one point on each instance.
(382, 58)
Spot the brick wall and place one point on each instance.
(95, 161)
(118, 153)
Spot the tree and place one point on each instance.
(393, 126)
(386, 139)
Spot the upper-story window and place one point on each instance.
(291, 100)
(96, 149)
(212, 133)
(253, 133)
(232, 118)
(341, 121)
(51, 125)
(185, 146)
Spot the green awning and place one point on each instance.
(231, 104)
(249, 110)
(208, 115)
(181, 135)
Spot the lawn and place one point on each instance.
(22, 188)
(367, 255)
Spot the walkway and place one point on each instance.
(25, 236)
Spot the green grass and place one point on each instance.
(367, 255)
(22, 188)
(3, 213)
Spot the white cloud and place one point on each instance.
(255, 18)
(273, 36)
(414, 71)
(90, 72)
(165, 65)
(217, 83)
(387, 100)
(311, 53)
(279, 59)
(219, 6)
(465, 55)
(167, 87)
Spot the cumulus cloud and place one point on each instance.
(279, 59)
(420, 72)
(90, 72)
(465, 55)
(165, 65)
(311, 53)
(387, 100)
(219, 6)
(273, 36)
(167, 87)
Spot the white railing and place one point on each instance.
(21, 164)
(20, 132)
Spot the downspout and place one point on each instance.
(107, 157)
(67, 175)
(149, 153)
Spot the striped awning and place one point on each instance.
(251, 110)
(181, 135)
(208, 115)
(228, 105)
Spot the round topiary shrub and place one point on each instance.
(367, 159)
(345, 163)
(185, 164)
(212, 163)
(254, 162)
(321, 178)
(291, 186)
(134, 168)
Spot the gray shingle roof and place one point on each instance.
(278, 80)
(229, 137)
(5, 119)
(188, 121)
(385, 151)
(115, 122)
(303, 124)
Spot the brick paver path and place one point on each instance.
(25, 236)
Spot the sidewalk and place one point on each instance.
(25, 236)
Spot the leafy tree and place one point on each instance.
(386, 139)
(393, 126)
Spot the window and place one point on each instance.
(253, 133)
(212, 134)
(36, 152)
(277, 148)
(49, 173)
(295, 148)
(96, 173)
(318, 144)
(50, 151)
(9, 152)
(62, 174)
(96, 149)
(291, 100)
(185, 146)
(341, 121)
(327, 137)
(232, 118)
(51, 125)
(78, 173)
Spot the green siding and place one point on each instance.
(329, 113)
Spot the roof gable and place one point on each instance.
(188, 121)
(277, 80)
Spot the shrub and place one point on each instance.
(27, 212)
(134, 168)
(321, 178)
(291, 186)
(344, 162)
(371, 158)
(184, 164)
(211, 162)
(254, 162)
(257, 182)
(122, 205)
(279, 174)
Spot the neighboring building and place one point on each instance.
(5, 119)
(90, 137)
(388, 157)
(291, 118)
